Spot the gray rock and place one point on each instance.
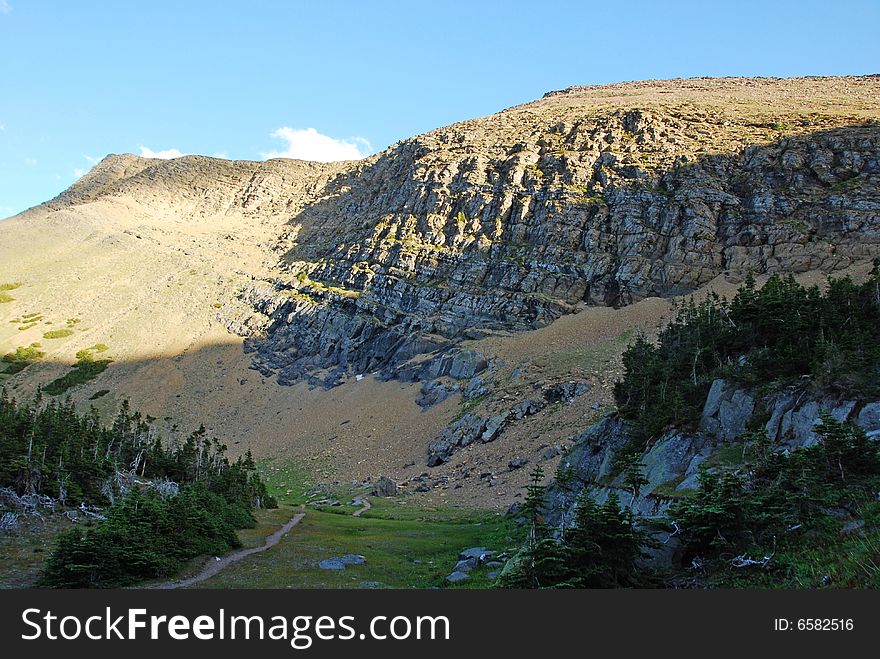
(517, 463)
(494, 427)
(456, 435)
(458, 577)
(353, 559)
(475, 388)
(525, 408)
(869, 420)
(797, 426)
(434, 392)
(670, 458)
(643, 233)
(853, 527)
(479, 553)
(493, 574)
(466, 565)
(780, 405)
(385, 487)
(565, 391)
(466, 364)
(493, 564)
(331, 564)
(726, 411)
(714, 398)
(550, 452)
(372, 584)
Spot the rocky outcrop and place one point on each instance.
(672, 464)
(470, 428)
(458, 434)
(726, 411)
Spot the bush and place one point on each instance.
(83, 371)
(22, 358)
(57, 334)
(144, 537)
(27, 354)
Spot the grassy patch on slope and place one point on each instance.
(80, 373)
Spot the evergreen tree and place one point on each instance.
(540, 563)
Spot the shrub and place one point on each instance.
(83, 371)
(30, 353)
(57, 334)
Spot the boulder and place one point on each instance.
(432, 393)
(494, 427)
(475, 388)
(456, 435)
(466, 564)
(517, 463)
(550, 452)
(385, 487)
(479, 553)
(458, 577)
(525, 408)
(726, 411)
(331, 564)
(869, 420)
(565, 391)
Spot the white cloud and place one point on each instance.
(78, 172)
(221, 154)
(30, 162)
(92, 160)
(164, 154)
(5, 7)
(2, 126)
(309, 144)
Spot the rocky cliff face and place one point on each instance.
(510, 221)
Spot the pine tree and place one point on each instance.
(540, 563)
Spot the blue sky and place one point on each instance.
(80, 78)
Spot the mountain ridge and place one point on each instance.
(442, 247)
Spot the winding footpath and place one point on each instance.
(363, 501)
(213, 566)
